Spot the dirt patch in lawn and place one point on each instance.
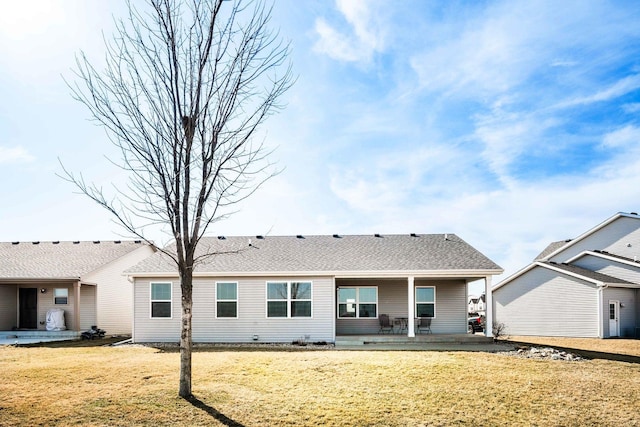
(77, 343)
(611, 346)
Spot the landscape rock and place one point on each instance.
(546, 353)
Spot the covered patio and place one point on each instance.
(24, 304)
(362, 301)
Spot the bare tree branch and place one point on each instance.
(185, 88)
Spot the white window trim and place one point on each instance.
(54, 296)
(357, 316)
(416, 302)
(227, 300)
(288, 300)
(151, 300)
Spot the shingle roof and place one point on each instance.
(349, 253)
(594, 275)
(553, 246)
(29, 260)
(620, 257)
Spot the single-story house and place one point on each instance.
(285, 288)
(85, 279)
(584, 287)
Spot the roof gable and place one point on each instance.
(349, 253)
(583, 273)
(57, 260)
(556, 248)
(571, 243)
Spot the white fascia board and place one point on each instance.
(512, 277)
(604, 256)
(338, 274)
(623, 285)
(14, 280)
(548, 266)
(569, 273)
(590, 232)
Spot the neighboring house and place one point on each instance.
(477, 304)
(585, 287)
(280, 289)
(473, 304)
(85, 279)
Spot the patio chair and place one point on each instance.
(424, 325)
(385, 324)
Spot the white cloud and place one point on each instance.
(628, 136)
(358, 42)
(615, 90)
(15, 155)
(507, 136)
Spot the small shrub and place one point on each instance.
(498, 329)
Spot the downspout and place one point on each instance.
(133, 308)
(601, 286)
(334, 304)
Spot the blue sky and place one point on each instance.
(509, 123)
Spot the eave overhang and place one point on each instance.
(475, 274)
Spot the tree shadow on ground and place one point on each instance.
(213, 412)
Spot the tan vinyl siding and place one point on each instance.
(543, 302)
(46, 302)
(392, 300)
(451, 305)
(627, 299)
(87, 307)
(621, 237)
(113, 299)
(158, 329)
(8, 307)
(252, 319)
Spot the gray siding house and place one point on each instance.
(85, 279)
(585, 287)
(285, 288)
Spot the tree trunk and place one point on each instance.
(186, 286)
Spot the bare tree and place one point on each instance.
(185, 88)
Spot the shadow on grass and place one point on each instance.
(213, 412)
(101, 342)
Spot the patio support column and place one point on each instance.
(76, 306)
(411, 315)
(488, 301)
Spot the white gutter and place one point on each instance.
(337, 274)
(604, 256)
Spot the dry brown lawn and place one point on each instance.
(132, 385)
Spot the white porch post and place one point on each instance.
(411, 324)
(76, 306)
(488, 323)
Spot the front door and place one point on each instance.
(614, 318)
(28, 298)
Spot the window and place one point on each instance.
(226, 299)
(61, 296)
(425, 301)
(358, 302)
(160, 300)
(288, 299)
